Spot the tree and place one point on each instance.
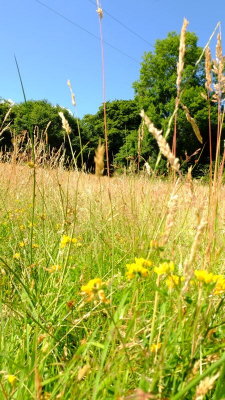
(122, 120)
(41, 118)
(155, 92)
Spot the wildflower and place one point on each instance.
(16, 256)
(143, 262)
(35, 246)
(68, 239)
(94, 290)
(204, 276)
(11, 379)
(164, 268)
(54, 268)
(22, 244)
(220, 286)
(136, 269)
(155, 347)
(173, 280)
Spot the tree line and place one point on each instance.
(129, 144)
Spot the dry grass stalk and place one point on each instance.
(205, 386)
(2, 128)
(189, 184)
(162, 143)
(65, 123)
(208, 66)
(188, 263)
(218, 69)
(180, 65)
(46, 131)
(193, 123)
(171, 211)
(38, 384)
(99, 160)
(140, 139)
(73, 99)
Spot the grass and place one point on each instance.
(132, 333)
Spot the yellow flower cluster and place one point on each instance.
(93, 290)
(138, 268)
(164, 268)
(174, 280)
(205, 276)
(208, 277)
(220, 286)
(68, 239)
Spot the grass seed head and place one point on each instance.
(99, 160)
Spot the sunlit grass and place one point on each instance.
(106, 308)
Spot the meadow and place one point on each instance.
(111, 288)
(114, 287)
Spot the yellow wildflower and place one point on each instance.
(54, 268)
(164, 268)
(204, 276)
(16, 256)
(22, 244)
(143, 262)
(136, 269)
(92, 285)
(35, 245)
(93, 289)
(220, 286)
(68, 239)
(155, 347)
(11, 379)
(173, 280)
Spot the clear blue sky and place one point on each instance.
(50, 49)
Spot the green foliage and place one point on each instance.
(123, 121)
(156, 93)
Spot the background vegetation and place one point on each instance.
(155, 92)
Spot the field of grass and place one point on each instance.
(111, 288)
